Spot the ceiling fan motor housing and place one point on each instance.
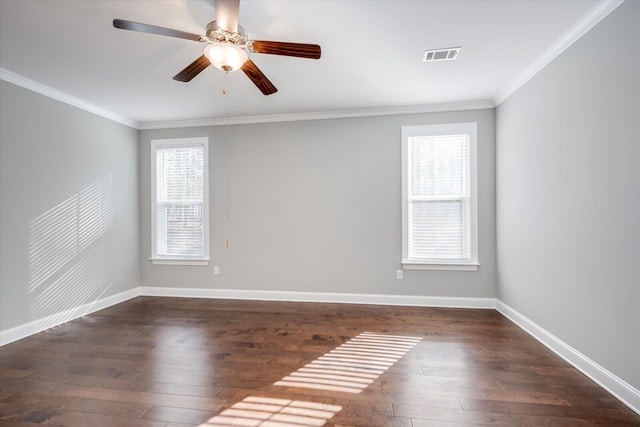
(216, 34)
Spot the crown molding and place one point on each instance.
(588, 21)
(50, 92)
(320, 115)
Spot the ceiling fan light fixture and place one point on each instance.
(225, 56)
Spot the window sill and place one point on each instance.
(466, 266)
(168, 261)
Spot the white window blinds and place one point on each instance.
(180, 214)
(437, 188)
(439, 197)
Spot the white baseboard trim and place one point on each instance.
(620, 389)
(329, 297)
(19, 332)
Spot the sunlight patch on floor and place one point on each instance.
(351, 367)
(268, 412)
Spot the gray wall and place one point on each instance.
(568, 211)
(68, 207)
(315, 206)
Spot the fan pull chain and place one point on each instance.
(226, 166)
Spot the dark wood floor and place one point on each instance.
(187, 362)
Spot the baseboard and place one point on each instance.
(329, 297)
(620, 389)
(19, 332)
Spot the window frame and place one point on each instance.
(469, 128)
(157, 144)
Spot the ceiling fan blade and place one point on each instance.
(192, 70)
(152, 29)
(258, 78)
(300, 50)
(227, 14)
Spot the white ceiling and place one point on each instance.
(371, 53)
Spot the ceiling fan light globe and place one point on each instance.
(225, 56)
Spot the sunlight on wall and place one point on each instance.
(75, 287)
(96, 211)
(268, 412)
(352, 366)
(63, 273)
(52, 241)
(348, 368)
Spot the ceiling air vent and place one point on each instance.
(446, 54)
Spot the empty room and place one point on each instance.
(285, 213)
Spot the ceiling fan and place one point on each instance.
(227, 43)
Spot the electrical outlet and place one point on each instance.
(216, 270)
(399, 274)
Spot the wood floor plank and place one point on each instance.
(522, 397)
(573, 412)
(177, 362)
(157, 399)
(16, 404)
(73, 418)
(180, 415)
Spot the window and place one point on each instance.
(179, 200)
(439, 197)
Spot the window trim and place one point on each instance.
(157, 144)
(469, 128)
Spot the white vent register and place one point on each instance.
(445, 54)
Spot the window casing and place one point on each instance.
(179, 201)
(439, 197)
